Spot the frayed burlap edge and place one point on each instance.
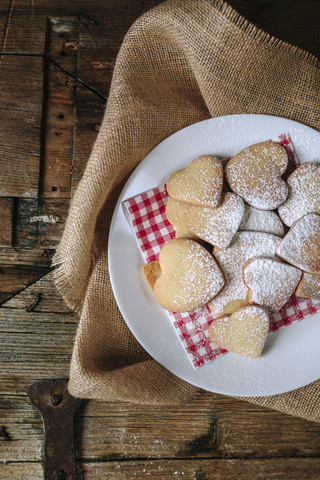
(73, 286)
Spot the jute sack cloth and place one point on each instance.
(182, 62)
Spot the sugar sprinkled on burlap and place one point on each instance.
(182, 62)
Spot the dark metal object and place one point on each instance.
(57, 408)
(34, 304)
(4, 435)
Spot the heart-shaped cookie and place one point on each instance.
(174, 214)
(303, 198)
(309, 286)
(245, 245)
(270, 281)
(199, 184)
(216, 226)
(255, 220)
(244, 332)
(301, 245)
(189, 278)
(255, 174)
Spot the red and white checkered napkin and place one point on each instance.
(146, 213)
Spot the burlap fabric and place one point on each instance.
(182, 62)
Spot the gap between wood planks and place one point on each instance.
(226, 458)
(47, 270)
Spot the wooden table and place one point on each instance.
(56, 63)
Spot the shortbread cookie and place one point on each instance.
(309, 286)
(198, 184)
(255, 220)
(189, 278)
(301, 245)
(216, 226)
(245, 245)
(243, 332)
(152, 272)
(174, 214)
(270, 281)
(255, 174)
(304, 193)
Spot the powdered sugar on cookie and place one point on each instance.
(244, 332)
(301, 245)
(255, 220)
(245, 245)
(199, 184)
(309, 286)
(216, 226)
(270, 281)
(304, 193)
(255, 174)
(189, 277)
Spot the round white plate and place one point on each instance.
(292, 354)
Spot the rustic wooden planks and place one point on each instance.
(20, 119)
(51, 107)
(207, 427)
(36, 345)
(6, 209)
(59, 100)
(236, 469)
(14, 279)
(50, 301)
(264, 469)
(200, 469)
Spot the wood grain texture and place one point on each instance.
(206, 427)
(26, 257)
(34, 345)
(59, 104)
(50, 301)
(6, 212)
(51, 107)
(20, 119)
(37, 345)
(236, 469)
(14, 279)
(39, 223)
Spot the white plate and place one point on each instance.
(292, 354)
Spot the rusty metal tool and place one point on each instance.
(57, 408)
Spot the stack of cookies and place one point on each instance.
(243, 211)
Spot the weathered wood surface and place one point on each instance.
(55, 75)
(6, 208)
(20, 120)
(36, 345)
(236, 469)
(207, 427)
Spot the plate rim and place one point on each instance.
(118, 208)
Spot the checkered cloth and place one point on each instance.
(146, 214)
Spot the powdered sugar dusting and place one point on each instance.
(255, 174)
(255, 220)
(189, 278)
(304, 193)
(244, 332)
(199, 184)
(301, 245)
(309, 286)
(216, 226)
(245, 245)
(271, 282)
